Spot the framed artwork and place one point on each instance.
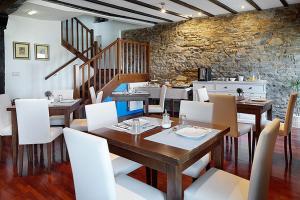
(41, 51)
(21, 50)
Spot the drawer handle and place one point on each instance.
(250, 88)
(225, 87)
(203, 86)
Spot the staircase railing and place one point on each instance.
(122, 57)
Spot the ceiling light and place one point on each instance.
(199, 13)
(243, 7)
(32, 12)
(163, 9)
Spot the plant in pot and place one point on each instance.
(296, 88)
(241, 94)
(48, 94)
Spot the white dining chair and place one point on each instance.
(201, 112)
(59, 120)
(34, 127)
(220, 185)
(159, 108)
(225, 113)
(5, 119)
(202, 95)
(102, 115)
(93, 172)
(95, 98)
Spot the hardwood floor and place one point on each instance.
(285, 182)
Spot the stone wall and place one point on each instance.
(266, 42)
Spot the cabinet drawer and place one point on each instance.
(226, 87)
(253, 88)
(209, 87)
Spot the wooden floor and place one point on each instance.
(285, 182)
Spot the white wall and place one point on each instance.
(25, 78)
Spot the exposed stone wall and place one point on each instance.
(267, 42)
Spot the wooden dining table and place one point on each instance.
(256, 108)
(164, 158)
(54, 109)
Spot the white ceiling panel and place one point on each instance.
(266, 4)
(238, 5)
(208, 6)
(143, 9)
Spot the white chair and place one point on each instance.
(59, 120)
(202, 112)
(95, 98)
(159, 108)
(220, 185)
(202, 95)
(5, 119)
(105, 114)
(34, 127)
(225, 113)
(93, 173)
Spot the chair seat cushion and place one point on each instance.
(130, 188)
(195, 169)
(6, 131)
(218, 185)
(244, 128)
(55, 132)
(122, 165)
(57, 120)
(155, 109)
(79, 124)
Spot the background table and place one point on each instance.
(54, 109)
(164, 158)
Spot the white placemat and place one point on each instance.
(153, 122)
(168, 137)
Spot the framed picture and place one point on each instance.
(21, 50)
(41, 51)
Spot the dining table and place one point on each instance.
(256, 108)
(156, 149)
(55, 108)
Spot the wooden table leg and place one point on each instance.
(174, 183)
(269, 114)
(14, 125)
(218, 154)
(148, 175)
(67, 124)
(257, 132)
(154, 178)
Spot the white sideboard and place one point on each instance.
(253, 89)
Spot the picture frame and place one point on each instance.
(41, 51)
(21, 50)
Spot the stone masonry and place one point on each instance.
(265, 42)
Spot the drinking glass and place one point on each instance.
(182, 120)
(136, 125)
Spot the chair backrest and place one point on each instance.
(203, 95)
(262, 163)
(33, 121)
(92, 94)
(99, 97)
(5, 119)
(289, 113)
(225, 112)
(91, 166)
(66, 94)
(162, 96)
(101, 114)
(197, 111)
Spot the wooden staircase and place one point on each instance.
(122, 61)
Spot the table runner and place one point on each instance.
(168, 137)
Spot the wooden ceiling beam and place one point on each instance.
(127, 10)
(218, 3)
(284, 3)
(140, 3)
(179, 2)
(98, 11)
(252, 3)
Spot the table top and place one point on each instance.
(254, 103)
(56, 105)
(172, 155)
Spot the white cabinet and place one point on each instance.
(254, 89)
